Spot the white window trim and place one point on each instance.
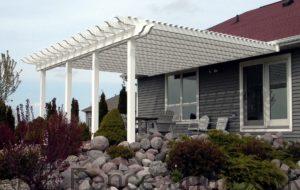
(181, 104)
(267, 122)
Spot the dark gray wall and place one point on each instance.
(219, 93)
(151, 96)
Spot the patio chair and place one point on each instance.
(222, 123)
(163, 123)
(202, 125)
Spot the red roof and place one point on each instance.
(268, 23)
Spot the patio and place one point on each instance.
(136, 48)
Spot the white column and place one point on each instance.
(68, 90)
(95, 94)
(42, 92)
(131, 45)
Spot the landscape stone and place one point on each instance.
(145, 144)
(135, 146)
(156, 143)
(158, 168)
(99, 143)
(85, 185)
(109, 166)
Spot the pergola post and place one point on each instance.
(131, 46)
(42, 92)
(68, 90)
(95, 94)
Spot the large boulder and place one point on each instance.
(135, 146)
(156, 143)
(157, 168)
(268, 137)
(109, 166)
(99, 143)
(94, 154)
(99, 161)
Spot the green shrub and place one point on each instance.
(120, 151)
(112, 127)
(196, 158)
(243, 186)
(261, 174)
(36, 131)
(86, 134)
(176, 176)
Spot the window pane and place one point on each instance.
(253, 95)
(173, 90)
(176, 110)
(189, 88)
(278, 91)
(189, 112)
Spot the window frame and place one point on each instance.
(275, 125)
(181, 104)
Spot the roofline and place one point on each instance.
(288, 43)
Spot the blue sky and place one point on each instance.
(28, 26)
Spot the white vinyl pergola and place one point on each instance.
(138, 47)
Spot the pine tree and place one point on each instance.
(2, 111)
(50, 108)
(10, 118)
(103, 110)
(74, 110)
(122, 106)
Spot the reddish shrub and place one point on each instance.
(21, 131)
(62, 139)
(27, 163)
(36, 131)
(6, 136)
(195, 158)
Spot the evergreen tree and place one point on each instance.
(74, 110)
(10, 118)
(2, 111)
(103, 110)
(50, 108)
(122, 106)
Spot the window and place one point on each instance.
(266, 94)
(182, 95)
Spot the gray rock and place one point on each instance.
(146, 186)
(150, 156)
(135, 168)
(278, 143)
(99, 143)
(156, 143)
(212, 185)
(131, 186)
(143, 174)
(293, 185)
(298, 163)
(91, 170)
(221, 184)
(135, 146)
(276, 162)
(157, 168)
(268, 138)
(285, 168)
(85, 185)
(194, 181)
(140, 156)
(71, 158)
(94, 154)
(247, 135)
(98, 186)
(169, 136)
(124, 143)
(66, 176)
(119, 161)
(117, 180)
(146, 162)
(132, 161)
(123, 167)
(19, 184)
(292, 175)
(99, 161)
(145, 144)
(109, 166)
(152, 151)
(6, 185)
(133, 179)
(297, 172)
(160, 156)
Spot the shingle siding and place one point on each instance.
(151, 96)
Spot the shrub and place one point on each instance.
(243, 186)
(86, 134)
(6, 136)
(21, 131)
(195, 158)
(257, 148)
(176, 176)
(36, 131)
(62, 139)
(27, 163)
(261, 174)
(112, 127)
(294, 151)
(120, 151)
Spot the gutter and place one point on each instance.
(288, 43)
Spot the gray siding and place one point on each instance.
(295, 95)
(151, 96)
(219, 93)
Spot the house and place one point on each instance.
(112, 103)
(247, 68)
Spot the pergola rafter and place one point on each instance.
(140, 47)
